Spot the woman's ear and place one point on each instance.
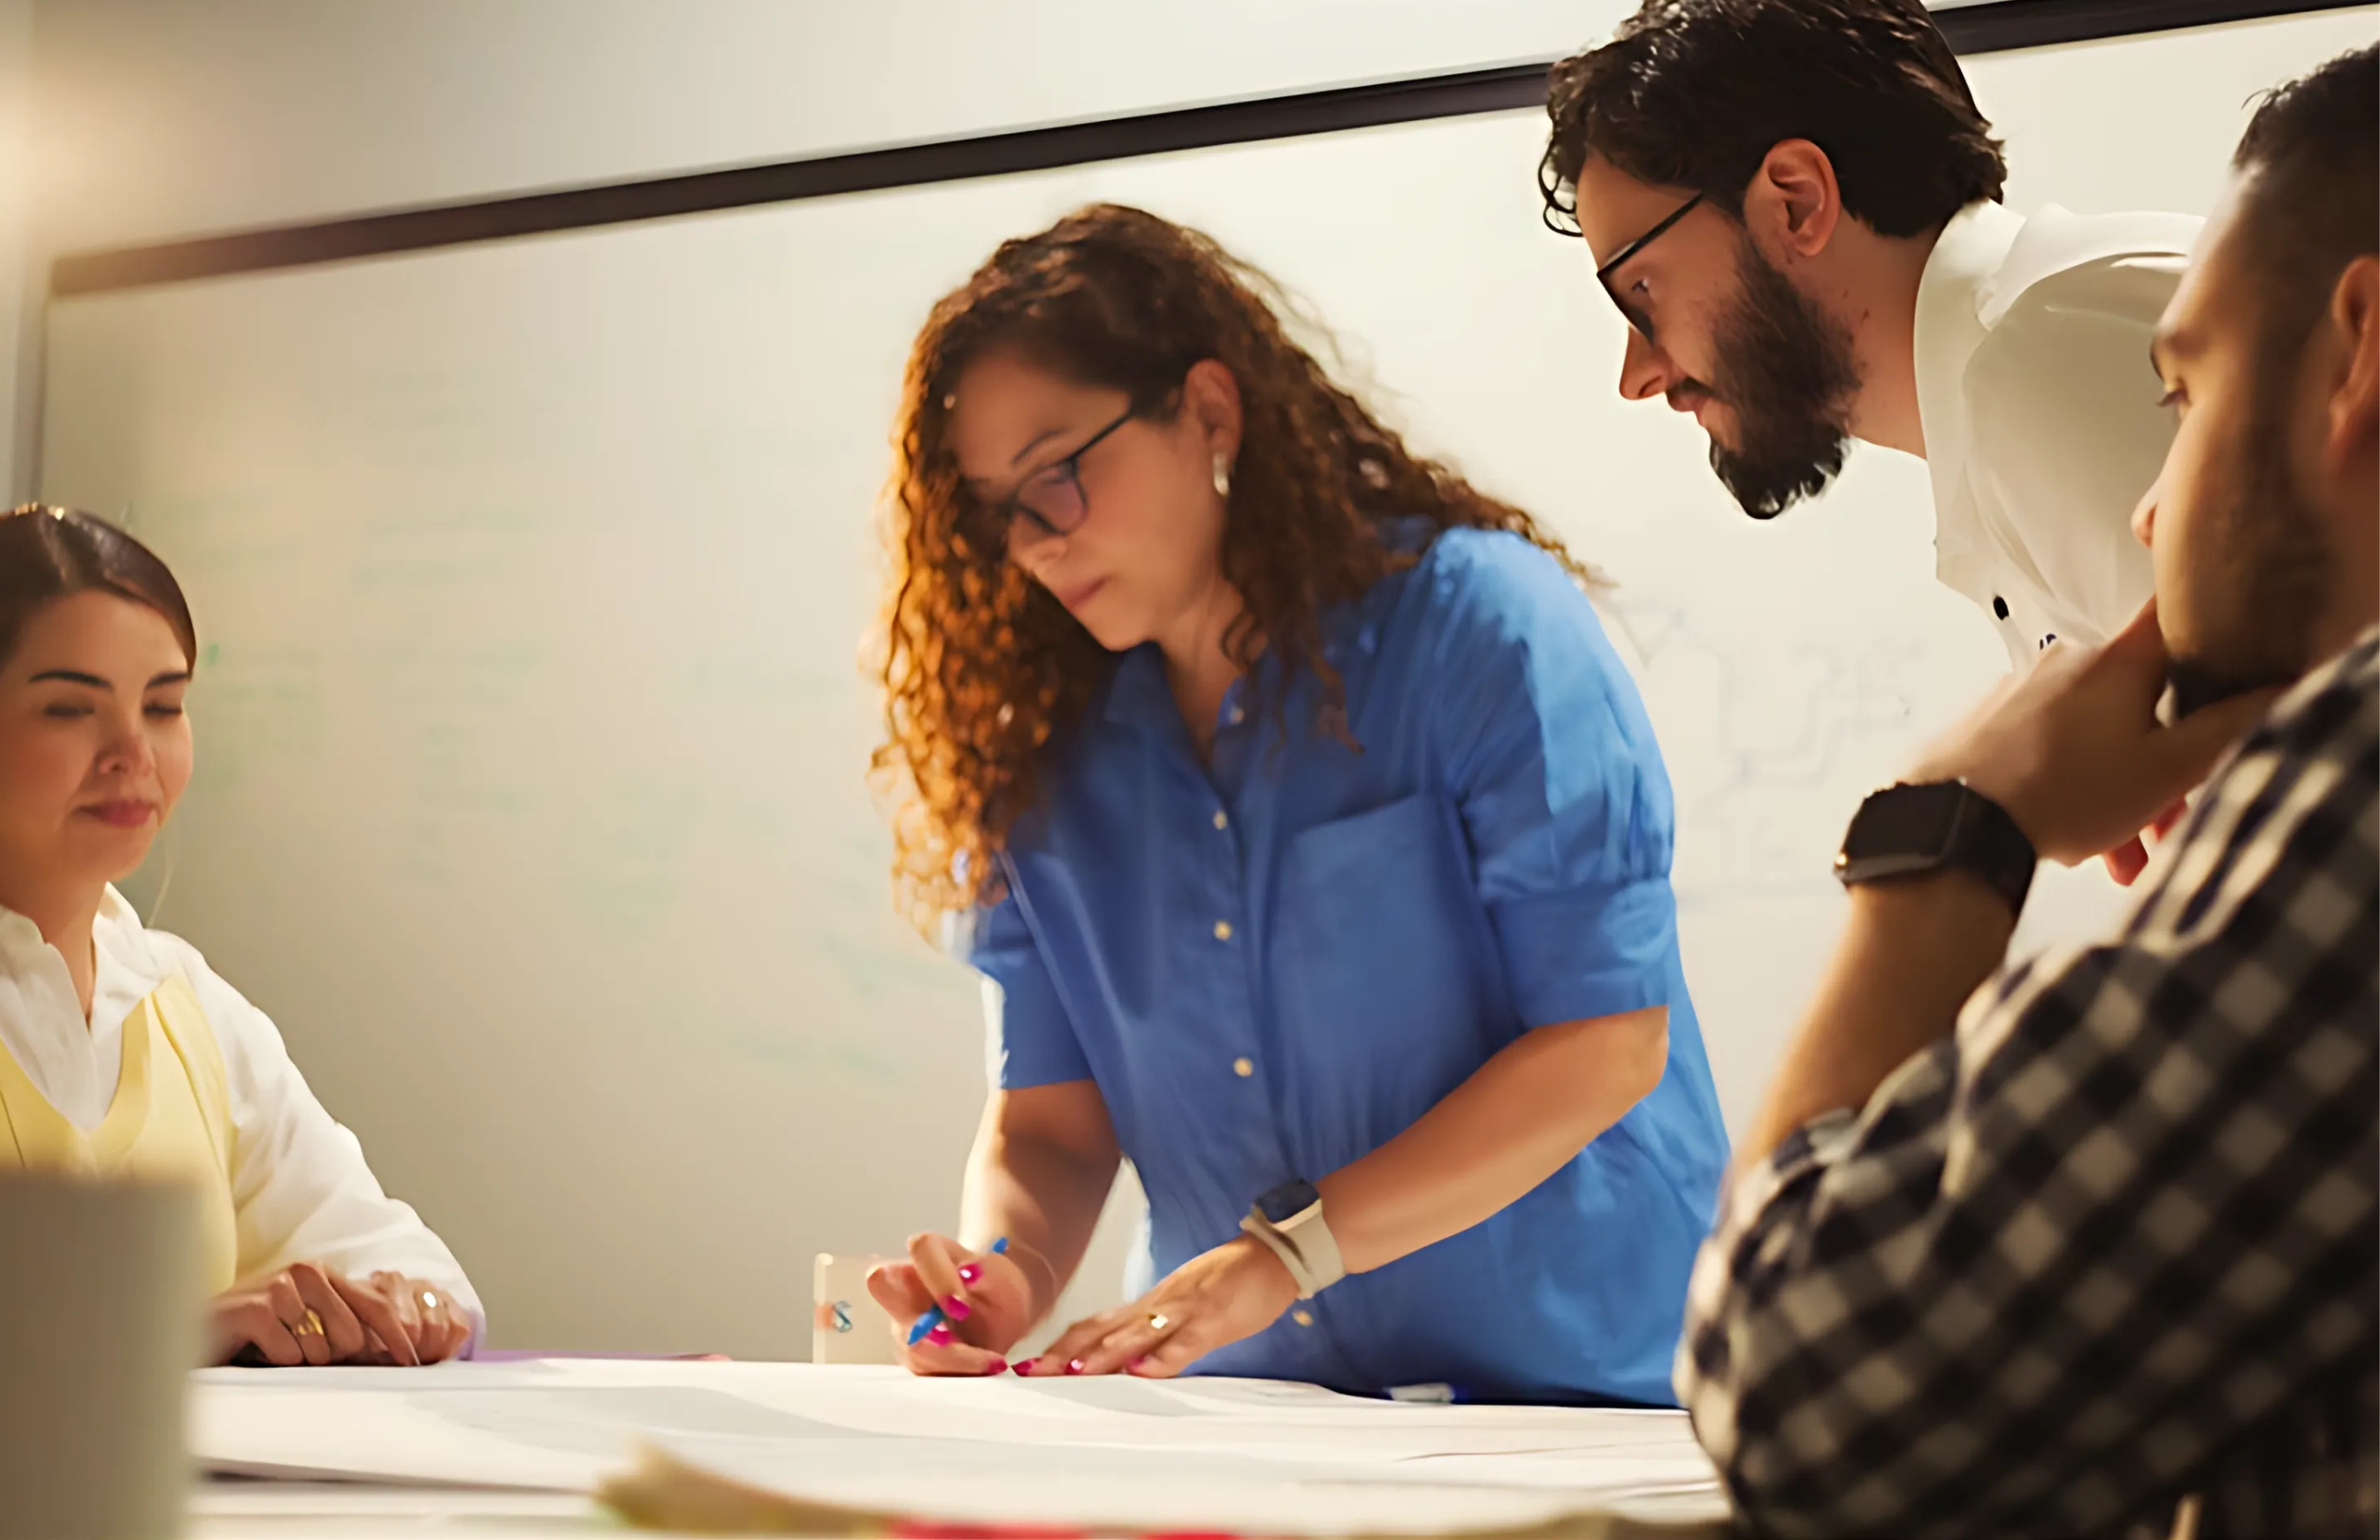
(1210, 402)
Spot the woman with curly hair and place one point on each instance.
(1314, 840)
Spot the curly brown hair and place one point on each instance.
(982, 669)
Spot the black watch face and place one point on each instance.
(1287, 1201)
(1912, 824)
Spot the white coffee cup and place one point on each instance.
(101, 1306)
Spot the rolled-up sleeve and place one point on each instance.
(1552, 762)
(1028, 1040)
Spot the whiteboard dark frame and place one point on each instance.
(1993, 27)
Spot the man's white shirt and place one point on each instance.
(2041, 412)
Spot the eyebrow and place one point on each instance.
(1603, 274)
(1037, 441)
(75, 676)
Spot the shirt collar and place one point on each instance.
(1138, 696)
(119, 933)
(117, 937)
(19, 937)
(1951, 295)
(2327, 673)
(1137, 693)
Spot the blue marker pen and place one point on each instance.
(934, 1317)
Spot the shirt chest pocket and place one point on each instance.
(1383, 996)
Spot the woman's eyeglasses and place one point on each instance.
(1052, 501)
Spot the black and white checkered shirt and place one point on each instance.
(2113, 1244)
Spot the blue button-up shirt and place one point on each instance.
(1274, 963)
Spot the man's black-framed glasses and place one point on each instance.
(1636, 317)
(1052, 500)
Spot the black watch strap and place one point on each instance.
(1910, 831)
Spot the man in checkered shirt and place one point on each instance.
(2087, 1246)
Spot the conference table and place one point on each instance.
(519, 1448)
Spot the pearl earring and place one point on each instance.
(1222, 476)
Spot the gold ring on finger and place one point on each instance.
(429, 1299)
(310, 1326)
(1161, 1322)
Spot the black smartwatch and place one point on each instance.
(1942, 826)
(1287, 1201)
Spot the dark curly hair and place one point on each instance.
(1695, 94)
(981, 668)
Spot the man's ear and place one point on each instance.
(2354, 385)
(1793, 204)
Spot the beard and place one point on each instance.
(1786, 372)
(2267, 576)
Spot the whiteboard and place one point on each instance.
(533, 577)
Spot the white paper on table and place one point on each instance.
(1180, 1454)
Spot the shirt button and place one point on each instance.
(1302, 1317)
(1244, 1067)
(1222, 821)
(1239, 715)
(1222, 930)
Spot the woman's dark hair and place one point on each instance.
(981, 668)
(47, 554)
(1695, 94)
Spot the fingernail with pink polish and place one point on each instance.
(971, 1274)
(1075, 1365)
(940, 1337)
(999, 1366)
(1023, 1369)
(1136, 1364)
(956, 1308)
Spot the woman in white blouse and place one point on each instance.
(125, 1055)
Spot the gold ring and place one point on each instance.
(429, 1299)
(310, 1326)
(1161, 1322)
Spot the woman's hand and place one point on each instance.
(1209, 1302)
(987, 1302)
(438, 1326)
(307, 1314)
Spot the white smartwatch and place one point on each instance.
(1289, 1222)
